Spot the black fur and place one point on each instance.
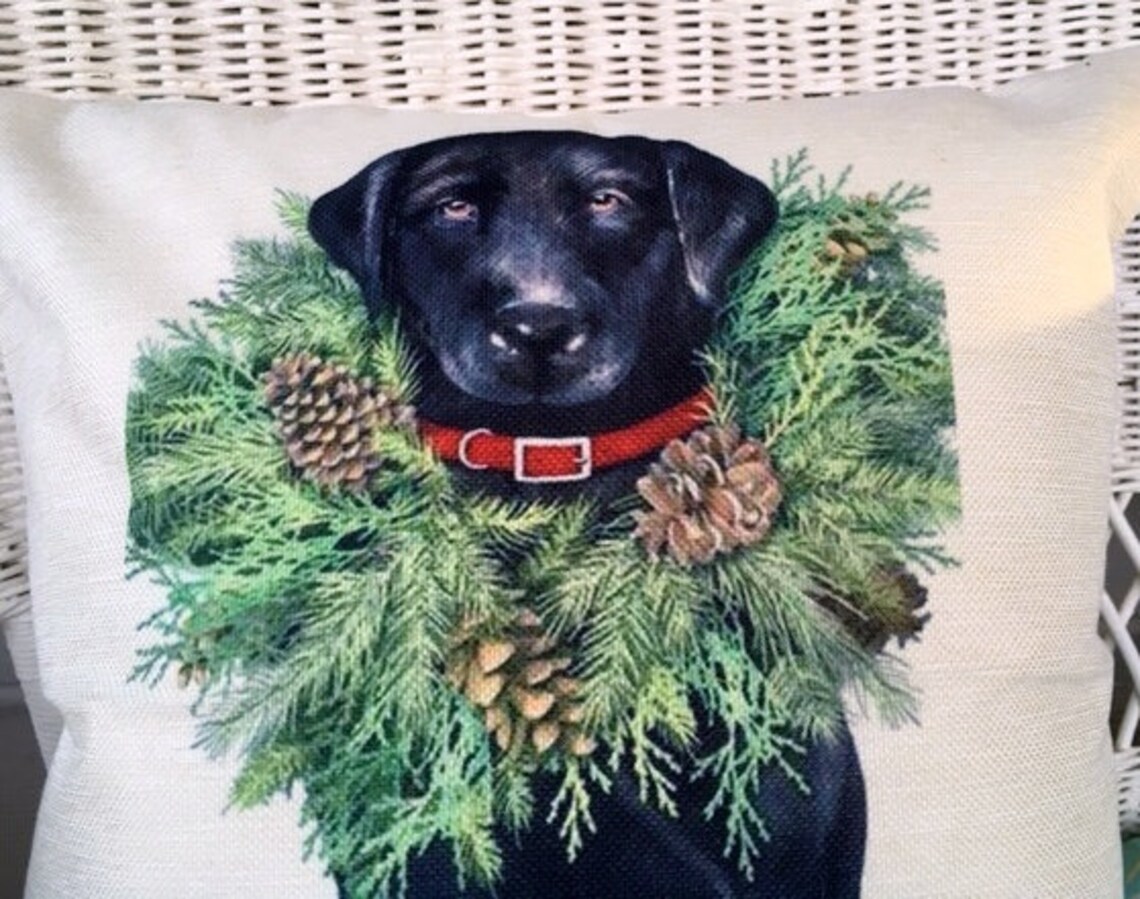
(555, 283)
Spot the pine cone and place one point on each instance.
(192, 666)
(908, 622)
(856, 235)
(849, 251)
(901, 620)
(519, 678)
(711, 493)
(327, 419)
(191, 671)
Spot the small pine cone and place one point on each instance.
(192, 667)
(902, 620)
(327, 419)
(191, 671)
(851, 243)
(712, 493)
(908, 623)
(520, 679)
(846, 250)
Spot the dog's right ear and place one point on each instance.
(350, 223)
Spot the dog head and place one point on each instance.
(547, 268)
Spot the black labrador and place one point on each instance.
(556, 284)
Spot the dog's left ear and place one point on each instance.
(721, 215)
(349, 223)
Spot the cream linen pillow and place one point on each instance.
(387, 663)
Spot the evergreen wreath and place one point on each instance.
(334, 622)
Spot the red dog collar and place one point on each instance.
(553, 459)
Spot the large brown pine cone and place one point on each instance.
(327, 419)
(709, 494)
(520, 679)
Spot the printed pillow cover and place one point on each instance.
(689, 503)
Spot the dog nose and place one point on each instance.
(540, 329)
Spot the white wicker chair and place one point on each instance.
(555, 55)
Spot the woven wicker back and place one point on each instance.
(540, 56)
(559, 55)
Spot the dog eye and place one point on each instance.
(606, 201)
(456, 210)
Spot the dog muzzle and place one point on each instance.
(548, 460)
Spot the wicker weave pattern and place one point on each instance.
(539, 56)
(558, 55)
(1126, 463)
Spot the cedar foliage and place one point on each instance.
(319, 621)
